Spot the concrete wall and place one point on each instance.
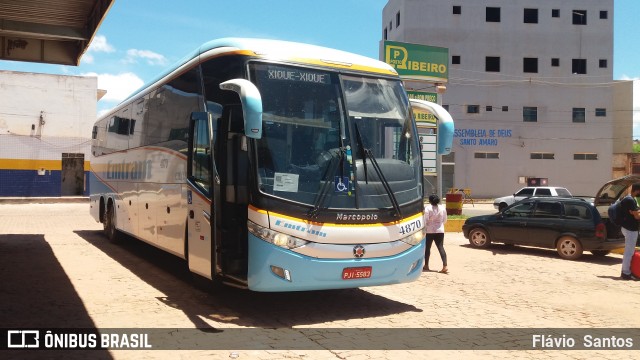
(553, 90)
(43, 119)
(623, 95)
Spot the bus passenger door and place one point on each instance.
(200, 217)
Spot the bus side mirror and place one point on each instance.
(445, 123)
(251, 105)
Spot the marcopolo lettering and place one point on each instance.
(356, 217)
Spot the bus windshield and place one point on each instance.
(336, 141)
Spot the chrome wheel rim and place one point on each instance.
(478, 238)
(568, 247)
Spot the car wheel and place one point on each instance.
(502, 206)
(479, 238)
(600, 252)
(569, 248)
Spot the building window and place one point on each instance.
(488, 108)
(530, 65)
(578, 115)
(579, 66)
(555, 13)
(585, 156)
(542, 156)
(604, 14)
(492, 64)
(603, 63)
(530, 114)
(493, 14)
(455, 59)
(457, 9)
(505, 108)
(601, 112)
(555, 62)
(530, 16)
(446, 107)
(390, 25)
(398, 19)
(473, 109)
(579, 17)
(486, 155)
(384, 34)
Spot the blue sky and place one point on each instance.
(139, 38)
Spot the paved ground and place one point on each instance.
(57, 270)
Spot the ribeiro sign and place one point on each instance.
(418, 62)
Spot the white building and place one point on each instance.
(45, 133)
(530, 89)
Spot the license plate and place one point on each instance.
(356, 273)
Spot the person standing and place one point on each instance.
(435, 215)
(629, 227)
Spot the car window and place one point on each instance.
(577, 211)
(563, 192)
(548, 210)
(520, 210)
(525, 192)
(543, 192)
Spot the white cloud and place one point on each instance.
(119, 86)
(151, 57)
(100, 44)
(102, 112)
(87, 58)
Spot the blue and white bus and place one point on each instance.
(268, 165)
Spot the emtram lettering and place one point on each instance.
(300, 228)
(135, 170)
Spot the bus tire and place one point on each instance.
(109, 223)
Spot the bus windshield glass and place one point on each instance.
(335, 141)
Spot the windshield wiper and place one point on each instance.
(324, 190)
(366, 152)
(362, 153)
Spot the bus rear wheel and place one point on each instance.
(109, 224)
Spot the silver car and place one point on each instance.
(529, 191)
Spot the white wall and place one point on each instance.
(67, 104)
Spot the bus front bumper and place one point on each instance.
(272, 268)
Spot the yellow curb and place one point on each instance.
(621, 250)
(453, 225)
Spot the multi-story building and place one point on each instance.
(530, 89)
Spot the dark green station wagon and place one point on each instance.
(569, 225)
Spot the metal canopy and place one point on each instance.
(49, 31)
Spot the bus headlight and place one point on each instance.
(276, 238)
(414, 239)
